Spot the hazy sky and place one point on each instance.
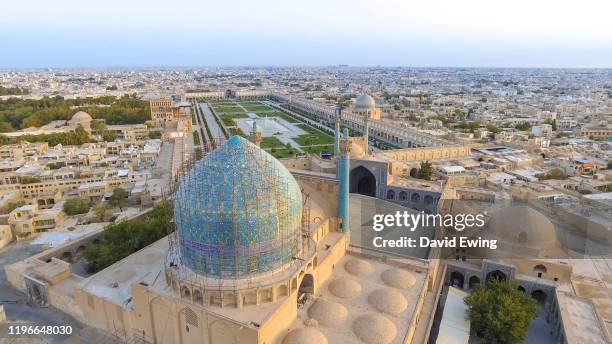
(113, 33)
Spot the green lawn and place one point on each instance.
(319, 149)
(228, 109)
(314, 136)
(257, 107)
(228, 119)
(221, 103)
(196, 138)
(283, 152)
(271, 142)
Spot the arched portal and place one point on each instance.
(539, 269)
(540, 296)
(37, 294)
(305, 290)
(473, 282)
(456, 279)
(362, 181)
(81, 251)
(67, 257)
(414, 172)
(496, 274)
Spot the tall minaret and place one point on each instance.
(337, 132)
(343, 181)
(255, 136)
(366, 134)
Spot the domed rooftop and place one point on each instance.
(374, 328)
(364, 101)
(306, 335)
(358, 267)
(81, 116)
(398, 278)
(238, 212)
(523, 226)
(344, 288)
(389, 301)
(328, 313)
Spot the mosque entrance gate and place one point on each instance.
(36, 292)
(362, 181)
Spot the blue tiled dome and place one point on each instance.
(238, 212)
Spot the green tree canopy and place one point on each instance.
(11, 206)
(126, 237)
(29, 180)
(499, 313)
(109, 136)
(118, 198)
(523, 126)
(426, 171)
(75, 206)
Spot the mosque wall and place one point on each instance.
(64, 302)
(327, 260)
(158, 318)
(276, 325)
(559, 272)
(102, 313)
(14, 277)
(310, 163)
(326, 189)
(428, 153)
(323, 228)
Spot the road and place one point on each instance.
(201, 130)
(215, 130)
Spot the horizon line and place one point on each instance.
(339, 65)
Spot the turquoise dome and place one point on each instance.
(238, 212)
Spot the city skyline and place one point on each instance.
(267, 33)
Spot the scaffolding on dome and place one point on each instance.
(238, 214)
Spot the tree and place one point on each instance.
(29, 180)
(523, 126)
(98, 127)
(500, 313)
(75, 206)
(118, 198)
(126, 237)
(100, 211)
(426, 171)
(156, 135)
(109, 136)
(6, 127)
(11, 206)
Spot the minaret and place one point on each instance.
(343, 181)
(366, 134)
(337, 132)
(255, 136)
